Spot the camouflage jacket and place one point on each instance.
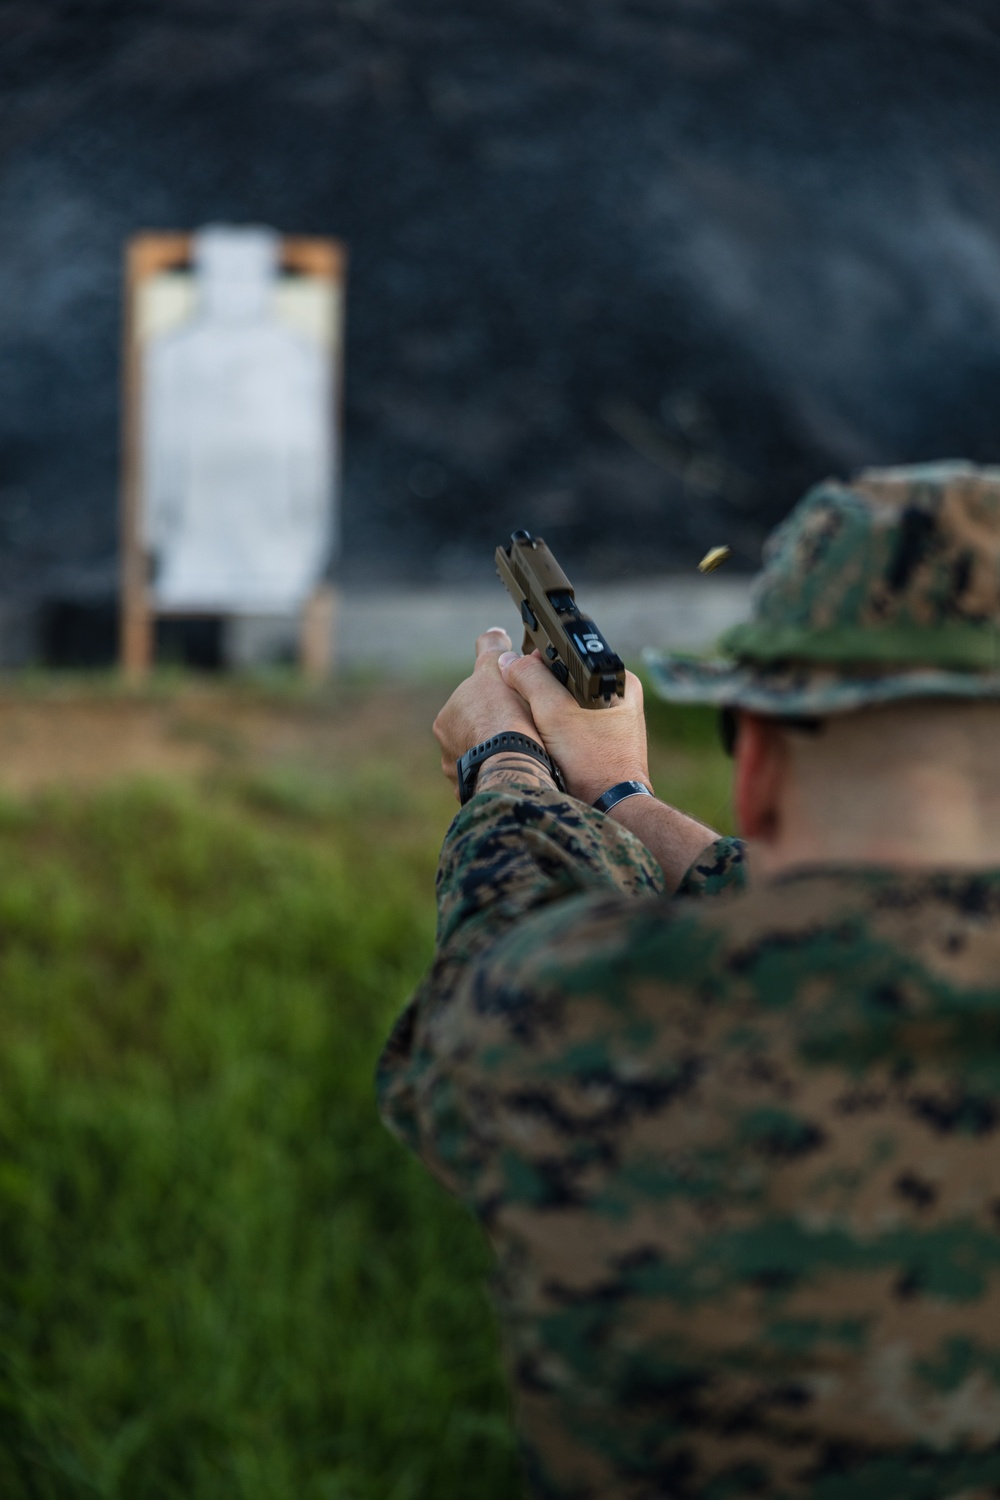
(737, 1159)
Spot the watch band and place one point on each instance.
(510, 740)
(619, 792)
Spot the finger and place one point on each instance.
(529, 676)
(491, 643)
(633, 689)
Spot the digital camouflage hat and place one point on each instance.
(883, 588)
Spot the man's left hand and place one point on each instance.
(481, 706)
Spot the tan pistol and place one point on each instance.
(571, 645)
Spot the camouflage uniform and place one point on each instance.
(736, 1152)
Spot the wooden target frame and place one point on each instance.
(150, 254)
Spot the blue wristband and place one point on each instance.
(618, 793)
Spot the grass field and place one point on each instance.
(219, 1275)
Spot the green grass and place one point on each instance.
(686, 760)
(219, 1275)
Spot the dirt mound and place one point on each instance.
(83, 737)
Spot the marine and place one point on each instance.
(729, 1109)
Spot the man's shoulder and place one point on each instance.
(768, 939)
(806, 901)
(811, 910)
(720, 869)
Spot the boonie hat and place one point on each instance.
(883, 588)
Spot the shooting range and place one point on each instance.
(306, 308)
(660, 264)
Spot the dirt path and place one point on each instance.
(73, 733)
(82, 736)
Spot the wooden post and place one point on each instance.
(317, 636)
(136, 627)
(145, 254)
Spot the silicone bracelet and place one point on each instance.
(619, 792)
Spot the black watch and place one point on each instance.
(468, 764)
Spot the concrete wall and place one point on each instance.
(402, 631)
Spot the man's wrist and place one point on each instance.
(621, 791)
(512, 771)
(590, 790)
(512, 741)
(633, 809)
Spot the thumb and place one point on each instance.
(529, 676)
(489, 645)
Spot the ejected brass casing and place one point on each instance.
(714, 559)
(571, 645)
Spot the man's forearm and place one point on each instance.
(672, 838)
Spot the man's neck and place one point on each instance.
(928, 820)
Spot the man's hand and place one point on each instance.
(594, 748)
(481, 706)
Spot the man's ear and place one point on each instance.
(761, 771)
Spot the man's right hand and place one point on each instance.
(594, 748)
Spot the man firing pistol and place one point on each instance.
(735, 1142)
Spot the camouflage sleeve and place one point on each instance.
(504, 857)
(722, 867)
